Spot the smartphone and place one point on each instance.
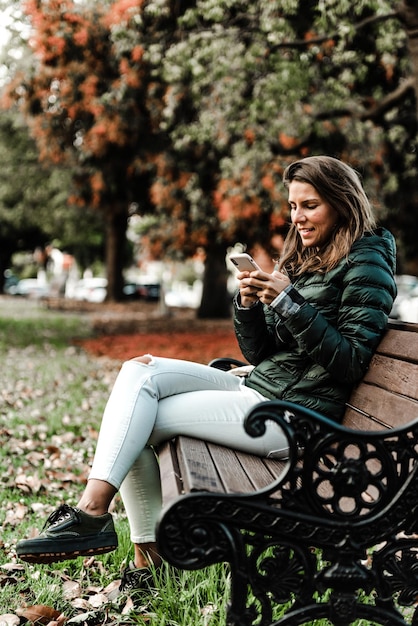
(244, 262)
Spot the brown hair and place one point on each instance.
(340, 186)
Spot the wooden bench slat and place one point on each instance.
(262, 472)
(196, 466)
(403, 345)
(386, 408)
(231, 472)
(171, 484)
(393, 375)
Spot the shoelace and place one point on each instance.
(62, 513)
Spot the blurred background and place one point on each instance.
(141, 141)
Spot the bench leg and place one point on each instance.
(274, 569)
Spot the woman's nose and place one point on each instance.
(299, 215)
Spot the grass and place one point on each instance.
(52, 397)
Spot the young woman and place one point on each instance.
(310, 329)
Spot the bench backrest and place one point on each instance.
(388, 394)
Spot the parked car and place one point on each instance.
(95, 290)
(405, 307)
(10, 282)
(142, 291)
(90, 289)
(29, 288)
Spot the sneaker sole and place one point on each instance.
(54, 557)
(44, 553)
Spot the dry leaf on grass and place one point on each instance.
(39, 614)
(71, 589)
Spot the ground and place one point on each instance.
(123, 331)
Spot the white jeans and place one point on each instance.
(151, 403)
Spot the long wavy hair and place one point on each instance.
(340, 186)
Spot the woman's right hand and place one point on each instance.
(248, 293)
(259, 285)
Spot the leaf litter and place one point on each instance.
(46, 465)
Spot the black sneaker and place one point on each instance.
(134, 580)
(67, 534)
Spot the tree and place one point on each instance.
(192, 110)
(33, 200)
(268, 83)
(250, 88)
(82, 112)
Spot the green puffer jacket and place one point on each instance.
(318, 342)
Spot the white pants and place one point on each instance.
(151, 403)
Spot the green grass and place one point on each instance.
(52, 397)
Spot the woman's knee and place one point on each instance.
(145, 359)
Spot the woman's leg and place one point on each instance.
(210, 415)
(141, 496)
(131, 411)
(128, 422)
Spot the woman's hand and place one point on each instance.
(254, 286)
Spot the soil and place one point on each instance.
(122, 331)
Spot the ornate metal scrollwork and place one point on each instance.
(328, 532)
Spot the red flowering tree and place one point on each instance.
(85, 107)
(97, 100)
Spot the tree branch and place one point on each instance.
(304, 43)
(376, 112)
(372, 114)
(390, 100)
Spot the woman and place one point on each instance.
(310, 329)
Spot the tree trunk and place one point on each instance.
(116, 226)
(216, 301)
(408, 13)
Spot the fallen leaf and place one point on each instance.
(80, 603)
(28, 483)
(40, 613)
(91, 617)
(13, 567)
(129, 606)
(98, 600)
(71, 589)
(16, 515)
(115, 584)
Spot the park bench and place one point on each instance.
(329, 534)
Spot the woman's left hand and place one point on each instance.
(266, 286)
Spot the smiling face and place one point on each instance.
(313, 218)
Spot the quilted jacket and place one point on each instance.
(314, 345)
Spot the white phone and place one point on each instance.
(244, 262)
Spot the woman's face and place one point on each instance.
(313, 218)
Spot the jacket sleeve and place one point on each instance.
(345, 348)
(255, 337)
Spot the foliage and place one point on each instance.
(81, 112)
(191, 111)
(33, 200)
(271, 83)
